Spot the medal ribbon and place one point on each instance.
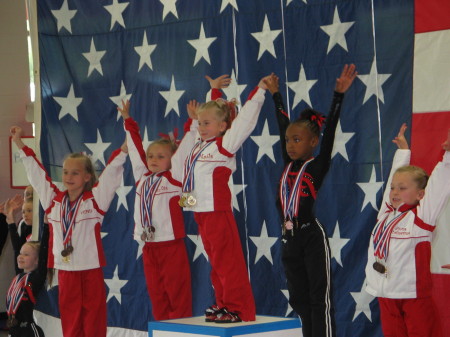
(382, 234)
(290, 198)
(189, 165)
(68, 215)
(15, 293)
(148, 194)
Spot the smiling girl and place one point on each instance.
(75, 217)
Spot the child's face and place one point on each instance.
(158, 157)
(75, 176)
(209, 126)
(27, 213)
(28, 193)
(300, 142)
(28, 258)
(404, 190)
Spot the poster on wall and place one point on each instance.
(18, 176)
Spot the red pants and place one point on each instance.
(168, 277)
(82, 303)
(229, 276)
(408, 317)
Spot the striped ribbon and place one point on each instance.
(189, 165)
(290, 198)
(149, 189)
(15, 293)
(382, 234)
(68, 215)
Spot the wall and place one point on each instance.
(14, 96)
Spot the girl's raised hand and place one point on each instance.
(271, 83)
(346, 79)
(125, 110)
(192, 107)
(446, 144)
(400, 140)
(16, 132)
(219, 82)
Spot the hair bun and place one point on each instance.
(313, 116)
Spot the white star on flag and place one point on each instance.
(289, 308)
(123, 96)
(362, 299)
(301, 88)
(336, 31)
(172, 96)
(340, 142)
(225, 3)
(103, 234)
(146, 139)
(289, 1)
(69, 104)
(141, 245)
(374, 83)
(263, 244)
(94, 57)
(63, 16)
(236, 188)
(370, 190)
(199, 248)
(169, 7)
(114, 285)
(266, 38)
(201, 46)
(336, 244)
(122, 192)
(145, 52)
(116, 9)
(234, 90)
(98, 149)
(265, 143)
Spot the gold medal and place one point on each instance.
(182, 200)
(66, 259)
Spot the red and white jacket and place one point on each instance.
(408, 262)
(217, 162)
(167, 216)
(86, 240)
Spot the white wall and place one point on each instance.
(14, 96)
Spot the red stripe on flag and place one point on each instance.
(431, 15)
(428, 132)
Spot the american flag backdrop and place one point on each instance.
(155, 53)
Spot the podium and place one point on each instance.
(264, 326)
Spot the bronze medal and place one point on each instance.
(64, 252)
(69, 249)
(379, 267)
(152, 229)
(144, 236)
(12, 321)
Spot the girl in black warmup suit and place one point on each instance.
(306, 252)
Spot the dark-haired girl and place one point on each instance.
(306, 252)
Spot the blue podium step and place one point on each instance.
(264, 326)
